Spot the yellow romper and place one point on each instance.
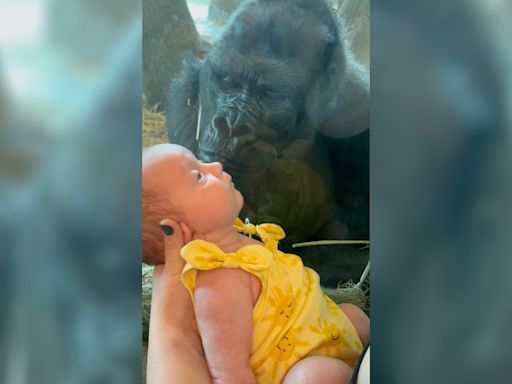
(292, 317)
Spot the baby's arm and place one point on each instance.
(223, 305)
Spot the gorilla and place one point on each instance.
(280, 101)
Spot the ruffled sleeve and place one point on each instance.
(202, 255)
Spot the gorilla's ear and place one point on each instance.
(183, 106)
(338, 101)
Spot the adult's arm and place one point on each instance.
(175, 353)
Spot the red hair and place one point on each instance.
(154, 209)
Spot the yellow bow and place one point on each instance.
(267, 232)
(204, 255)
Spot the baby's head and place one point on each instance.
(177, 186)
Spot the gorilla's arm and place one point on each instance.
(338, 102)
(348, 113)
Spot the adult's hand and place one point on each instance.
(175, 353)
(169, 272)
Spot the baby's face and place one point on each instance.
(203, 192)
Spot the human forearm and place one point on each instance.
(176, 358)
(175, 352)
(171, 305)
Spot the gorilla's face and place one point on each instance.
(257, 79)
(247, 119)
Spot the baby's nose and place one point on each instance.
(215, 168)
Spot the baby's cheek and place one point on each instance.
(239, 198)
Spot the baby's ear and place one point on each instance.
(187, 232)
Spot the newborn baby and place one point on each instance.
(261, 314)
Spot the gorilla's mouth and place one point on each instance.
(209, 156)
(235, 166)
(245, 159)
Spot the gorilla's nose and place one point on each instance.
(230, 128)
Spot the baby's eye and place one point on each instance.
(200, 176)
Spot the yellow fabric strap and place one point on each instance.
(267, 232)
(204, 255)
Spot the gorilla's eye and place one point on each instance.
(226, 80)
(273, 98)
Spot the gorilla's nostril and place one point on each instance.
(221, 125)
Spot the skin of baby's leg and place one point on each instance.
(359, 319)
(318, 370)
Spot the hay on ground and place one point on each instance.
(154, 130)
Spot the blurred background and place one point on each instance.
(441, 183)
(70, 92)
(441, 215)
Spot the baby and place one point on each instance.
(261, 314)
